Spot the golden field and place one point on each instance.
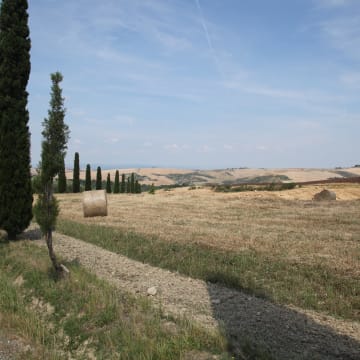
(281, 225)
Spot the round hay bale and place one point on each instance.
(94, 203)
(324, 195)
(3, 235)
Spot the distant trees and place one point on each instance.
(108, 184)
(88, 178)
(55, 137)
(76, 174)
(15, 179)
(117, 183)
(98, 185)
(128, 185)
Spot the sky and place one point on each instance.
(200, 84)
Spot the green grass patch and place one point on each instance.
(82, 316)
(309, 287)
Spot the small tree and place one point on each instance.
(117, 183)
(76, 174)
(62, 179)
(123, 184)
(152, 189)
(108, 184)
(128, 185)
(88, 178)
(55, 138)
(98, 179)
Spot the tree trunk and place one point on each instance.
(48, 236)
(57, 266)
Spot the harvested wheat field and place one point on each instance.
(285, 224)
(299, 257)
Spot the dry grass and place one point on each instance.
(285, 225)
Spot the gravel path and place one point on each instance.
(12, 347)
(289, 333)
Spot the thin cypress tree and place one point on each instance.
(76, 174)
(132, 183)
(62, 179)
(117, 183)
(88, 178)
(108, 184)
(15, 179)
(137, 187)
(98, 185)
(123, 184)
(128, 185)
(55, 138)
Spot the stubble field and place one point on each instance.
(284, 225)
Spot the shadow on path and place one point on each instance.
(280, 331)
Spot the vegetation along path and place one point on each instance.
(286, 332)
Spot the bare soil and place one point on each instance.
(287, 332)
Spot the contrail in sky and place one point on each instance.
(206, 31)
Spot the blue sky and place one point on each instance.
(201, 83)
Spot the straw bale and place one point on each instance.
(95, 203)
(3, 235)
(324, 195)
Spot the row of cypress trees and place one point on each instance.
(128, 185)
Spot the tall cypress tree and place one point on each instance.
(76, 174)
(98, 185)
(108, 184)
(54, 145)
(15, 179)
(123, 184)
(132, 183)
(128, 185)
(62, 179)
(117, 183)
(88, 178)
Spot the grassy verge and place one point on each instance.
(84, 317)
(309, 287)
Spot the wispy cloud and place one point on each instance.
(343, 32)
(332, 3)
(351, 79)
(208, 38)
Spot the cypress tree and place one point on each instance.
(128, 185)
(76, 174)
(117, 183)
(15, 179)
(137, 187)
(108, 184)
(62, 179)
(123, 184)
(98, 185)
(55, 137)
(132, 183)
(88, 178)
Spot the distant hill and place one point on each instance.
(168, 176)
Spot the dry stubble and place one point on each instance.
(285, 225)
